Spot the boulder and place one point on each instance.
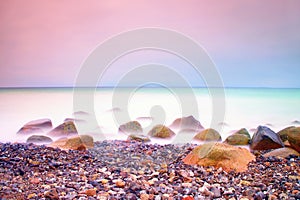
(186, 123)
(283, 134)
(132, 127)
(208, 135)
(243, 131)
(36, 126)
(264, 139)
(81, 142)
(237, 139)
(161, 131)
(65, 129)
(294, 138)
(39, 139)
(220, 155)
(282, 152)
(139, 138)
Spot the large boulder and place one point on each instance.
(36, 126)
(237, 139)
(220, 155)
(132, 127)
(81, 142)
(294, 138)
(139, 138)
(282, 152)
(39, 139)
(189, 123)
(283, 134)
(208, 135)
(161, 131)
(264, 139)
(65, 129)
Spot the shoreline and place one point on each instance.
(118, 169)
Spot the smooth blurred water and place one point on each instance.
(245, 108)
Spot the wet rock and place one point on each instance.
(237, 139)
(66, 129)
(282, 152)
(39, 139)
(284, 133)
(132, 127)
(161, 131)
(51, 194)
(265, 139)
(140, 138)
(81, 142)
(208, 135)
(294, 138)
(220, 155)
(243, 131)
(36, 126)
(189, 123)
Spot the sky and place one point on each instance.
(253, 43)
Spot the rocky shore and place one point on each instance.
(135, 170)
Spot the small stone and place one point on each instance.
(120, 183)
(34, 181)
(104, 181)
(144, 196)
(91, 192)
(51, 194)
(32, 195)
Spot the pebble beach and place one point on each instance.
(133, 170)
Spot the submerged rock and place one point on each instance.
(282, 152)
(39, 139)
(36, 126)
(283, 134)
(237, 139)
(132, 127)
(294, 138)
(187, 123)
(140, 138)
(161, 131)
(208, 135)
(81, 142)
(65, 129)
(264, 139)
(220, 155)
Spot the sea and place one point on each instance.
(100, 111)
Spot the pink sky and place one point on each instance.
(43, 43)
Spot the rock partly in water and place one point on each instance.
(65, 129)
(220, 155)
(187, 123)
(282, 152)
(140, 138)
(36, 126)
(208, 135)
(265, 139)
(161, 131)
(237, 139)
(39, 139)
(243, 131)
(81, 142)
(132, 127)
(294, 138)
(283, 134)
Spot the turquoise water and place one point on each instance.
(239, 107)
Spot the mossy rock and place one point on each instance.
(208, 135)
(161, 131)
(237, 139)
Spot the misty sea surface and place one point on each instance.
(244, 108)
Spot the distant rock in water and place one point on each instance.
(66, 129)
(75, 120)
(36, 126)
(81, 142)
(132, 127)
(237, 139)
(282, 152)
(161, 131)
(264, 139)
(294, 138)
(186, 123)
(145, 118)
(80, 113)
(116, 109)
(220, 155)
(244, 132)
(39, 139)
(283, 134)
(208, 135)
(297, 122)
(140, 138)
